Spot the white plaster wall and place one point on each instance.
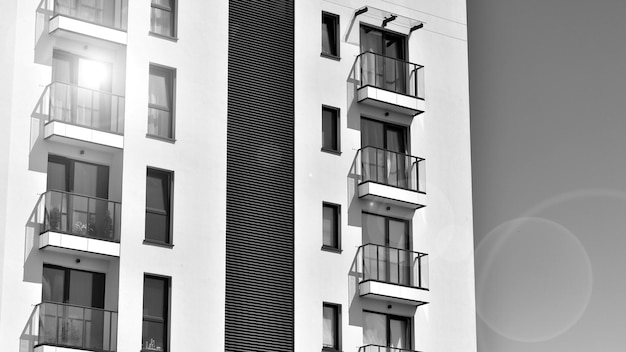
(443, 229)
(196, 263)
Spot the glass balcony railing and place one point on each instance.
(376, 348)
(392, 169)
(108, 13)
(86, 107)
(77, 327)
(391, 74)
(82, 216)
(393, 265)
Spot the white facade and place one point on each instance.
(441, 135)
(441, 318)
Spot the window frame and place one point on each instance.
(169, 181)
(337, 115)
(337, 328)
(167, 302)
(336, 25)
(173, 10)
(171, 71)
(337, 228)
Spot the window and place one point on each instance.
(330, 35)
(163, 18)
(332, 327)
(386, 330)
(161, 102)
(156, 297)
(158, 206)
(331, 226)
(71, 286)
(330, 129)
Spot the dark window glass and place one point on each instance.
(163, 17)
(332, 327)
(77, 287)
(155, 313)
(158, 205)
(330, 129)
(331, 225)
(161, 102)
(330, 34)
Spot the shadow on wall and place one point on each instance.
(43, 43)
(38, 155)
(32, 261)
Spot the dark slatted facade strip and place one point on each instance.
(260, 181)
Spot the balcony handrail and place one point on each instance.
(369, 52)
(82, 196)
(119, 19)
(74, 326)
(409, 174)
(75, 306)
(379, 348)
(103, 111)
(85, 88)
(391, 74)
(410, 272)
(420, 254)
(392, 152)
(95, 217)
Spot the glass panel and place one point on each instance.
(53, 284)
(157, 227)
(398, 333)
(330, 326)
(163, 3)
(157, 190)
(57, 175)
(81, 285)
(398, 234)
(153, 297)
(329, 35)
(48, 321)
(94, 329)
(330, 226)
(153, 336)
(71, 326)
(159, 123)
(374, 329)
(374, 229)
(329, 129)
(161, 22)
(85, 179)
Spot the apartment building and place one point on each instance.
(235, 175)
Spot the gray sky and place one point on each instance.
(548, 115)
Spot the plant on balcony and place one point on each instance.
(54, 219)
(70, 334)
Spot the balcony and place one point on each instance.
(391, 84)
(73, 222)
(81, 116)
(393, 274)
(391, 177)
(376, 348)
(75, 328)
(105, 20)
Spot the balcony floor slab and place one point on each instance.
(393, 293)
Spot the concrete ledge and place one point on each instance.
(393, 293)
(60, 22)
(387, 100)
(65, 242)
(68, 133)
(392, 195)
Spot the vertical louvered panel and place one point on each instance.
(260, 182)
